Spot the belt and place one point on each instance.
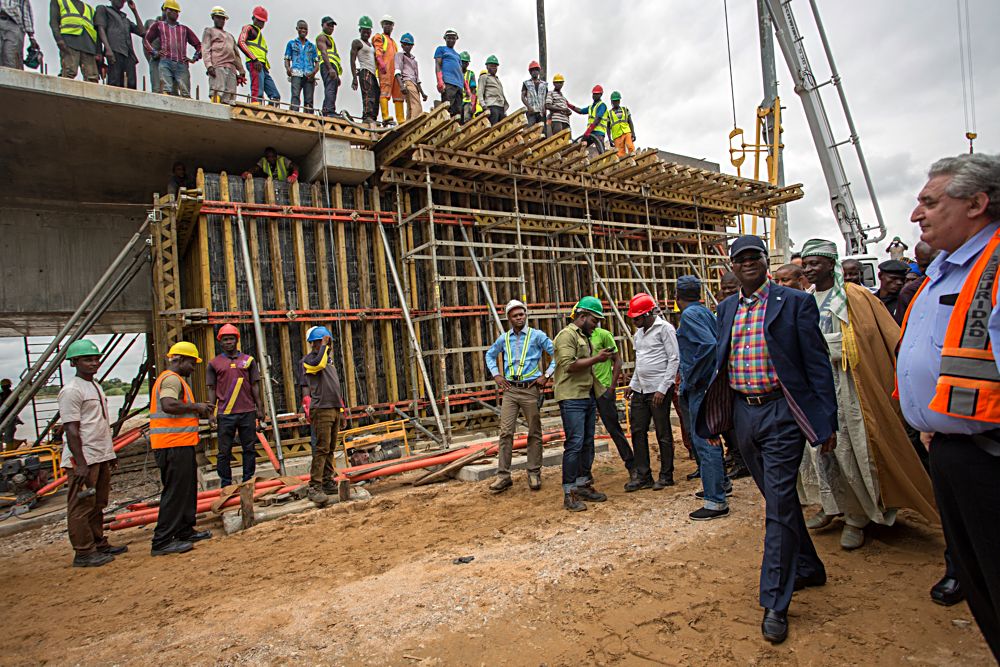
(523, 383)
(761, 399)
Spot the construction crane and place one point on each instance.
(789, 39)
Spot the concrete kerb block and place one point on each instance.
(550, 457)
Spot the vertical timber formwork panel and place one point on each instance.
(365, 296)
(388, 342)
(345, 299)
(277, 266)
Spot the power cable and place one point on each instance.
(965, 60)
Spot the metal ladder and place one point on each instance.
(44, 406)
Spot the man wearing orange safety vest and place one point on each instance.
(948, 370)
(173, 436)
(233, 380)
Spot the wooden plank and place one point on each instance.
(454, 466)
(228, 246)
(365, 294)
(344, 287)
(281, 300)
(298, 238)
(382, 293)
(251, 228)
(322, 270)
(474, 295)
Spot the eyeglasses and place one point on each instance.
(747, 258)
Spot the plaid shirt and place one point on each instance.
(750, 368)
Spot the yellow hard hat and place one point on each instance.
(170, 4)
(219, 11)
(184, 348)
(557, 78)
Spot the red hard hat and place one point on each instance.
(640, 304)
(534, 65)
(228, 330)
(599, 91)
(260, 13)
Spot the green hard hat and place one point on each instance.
(616, 96)
(466, 58)
(591, 303)
(492, 60)
(82, 348)
(365, 22)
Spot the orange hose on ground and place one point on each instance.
(270, 452)
(122, 441)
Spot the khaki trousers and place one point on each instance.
(524, 401)
(414, 106)
(326, 423)
(71, 61)
(85, 516)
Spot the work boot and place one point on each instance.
(534, 481)
(637, 483)
(573, 503)
(662, 483)
(819, 520)
(315, 494)
(632, 476)
(591, 494)
(197, 536)
(175, 547)
(501, 484)
(94, 559)
(112, 551)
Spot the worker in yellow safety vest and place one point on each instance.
(470, 97)
(948, 370)
(597, 120)
(173, 436)
(330, 68)
(274, 166)
(254, 47)
(620, 126)
(72, 24)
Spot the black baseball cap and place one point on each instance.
(747, 242)
(327, 19)
(894, 266)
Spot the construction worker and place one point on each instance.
(597, 120)
(274, 166)
(171, 55)
(330, 68)
(620, 126)
(469, 88)
(363, 71)
(152, 63)
(534, 92)
(222, 59)
(609, 374)
(301, 66)
(575, 390)
(88, 457)
(115, 30)
(408, 74)
(233, 380)
(324, 406)
(72, 24)
(7, 437)
(557, 105)
(522, 383)
(16, 20)
(385, 59)
(173, 436)
(254, 47)
(448, 71)
(491, 92)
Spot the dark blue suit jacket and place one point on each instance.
(800, 358)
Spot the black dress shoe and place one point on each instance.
(739, 472)
(197, 536)
(112, 550)
(638, 483)
(662, 483)
(774, 627)
(947, 592)
(810, 581)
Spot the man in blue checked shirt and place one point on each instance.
(301, 65)
(522, 382)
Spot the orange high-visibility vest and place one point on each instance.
(968, 384)
(166, 430)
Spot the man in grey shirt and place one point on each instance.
(491, 93)
(115, 30)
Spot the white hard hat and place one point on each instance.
(387, 19)
(219, 11)
(514, 303)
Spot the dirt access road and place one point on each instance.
(628, 582)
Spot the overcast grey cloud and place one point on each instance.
(899, 60)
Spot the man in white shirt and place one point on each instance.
(651, 390)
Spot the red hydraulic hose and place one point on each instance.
(270, 452)
(122, 441)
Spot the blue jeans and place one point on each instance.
(579, 418)
(306, 87)
(710, 460)
(175, 78)
(261, 85)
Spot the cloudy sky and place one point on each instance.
(899, 60)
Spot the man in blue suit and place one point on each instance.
(773, 385)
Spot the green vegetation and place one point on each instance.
(112, 387)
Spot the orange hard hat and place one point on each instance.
(534, 65)
(228, 330)
(640, 304)
(260, 13)
(597, 90)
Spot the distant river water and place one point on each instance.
(26, 430)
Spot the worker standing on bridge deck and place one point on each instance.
(16, 21)
(522, 382)
(254, 47)
(385, 58)
(448, 70)
(88, 457)
(233, 380)
(323, 403)
(274, 166)
(597, 120)
(469, 88)
(330, 68)
(621, 127)
(557, 105)
(115, 30)
(222, 59)
(408, 73)
(301, 66)
(363, 71)
(72, 23)
(171, 55)
(491, 92)
(173, 436)
(534, 92)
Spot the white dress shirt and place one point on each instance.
(656, 358)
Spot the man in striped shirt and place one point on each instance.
(175, 77)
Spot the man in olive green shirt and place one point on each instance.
(575, 390)
(608, 373)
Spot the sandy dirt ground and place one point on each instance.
(628, 582)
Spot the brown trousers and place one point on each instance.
(71, 61)
(326, 424)
(518, 400)
(85, 516)
(414, 107)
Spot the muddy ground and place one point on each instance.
(628, 582)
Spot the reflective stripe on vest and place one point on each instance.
(280, 170)
(467, 95)
(969, 381)
(258, 47)
(602, 125)
(167, 430)
(519, 373)
(619, 121)
(72, 22)
(332, 57)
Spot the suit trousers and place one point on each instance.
(607, 408)
(179, 498)
(772, 445)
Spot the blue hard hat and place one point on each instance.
(317, 333)
(407, 38)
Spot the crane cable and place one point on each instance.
(965, 58)
(729, 54)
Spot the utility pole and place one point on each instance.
(543, 52)
(767, 67)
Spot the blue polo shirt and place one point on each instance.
(451, 65)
